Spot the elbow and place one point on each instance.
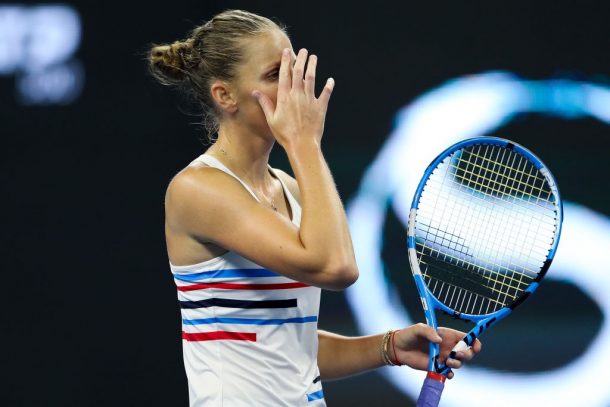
(349, 276)
(341, 275)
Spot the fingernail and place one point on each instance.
(460, 355)
(256, 95)
(330, 80)
(286, 51)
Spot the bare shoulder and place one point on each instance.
(198, 194)
(291, 184)
(194, 178)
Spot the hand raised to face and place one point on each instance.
(298, 116)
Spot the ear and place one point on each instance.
(222, 94)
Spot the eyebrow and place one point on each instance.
(276, 65)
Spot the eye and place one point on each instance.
(273, 75)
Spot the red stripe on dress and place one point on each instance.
(219, 335)
(229, 286)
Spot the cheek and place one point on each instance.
(251, 105)
(269, 89)
(273, 94)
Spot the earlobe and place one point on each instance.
(224, 97)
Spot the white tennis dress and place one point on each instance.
(249, 335)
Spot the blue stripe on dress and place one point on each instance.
(315, 396)
(249, 321)
(229, 273)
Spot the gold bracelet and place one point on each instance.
(384, 348)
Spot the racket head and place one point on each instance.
(483, 229)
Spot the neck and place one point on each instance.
(248, 151)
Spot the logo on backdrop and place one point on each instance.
(37, 46)
(461, 109)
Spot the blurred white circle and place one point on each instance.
(465, 108)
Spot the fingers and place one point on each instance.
(326, 92)
(266, 104)
(468, 354)
(310, 75)
(477, 345)
(299, 69)
(284, 80)
(454, 363)
(298, 72)
(450, 338)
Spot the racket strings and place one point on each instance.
(462, 183)
(476, 301)
(483, 228)
(517, 281)
(490, 190)
(477, 236)
(526, 189)
(486, 200)
(491, 238)
(503, 198)
(539, 180)
(546, 220)
(512, 258)
(484, 289)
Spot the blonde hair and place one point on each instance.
(213, 51)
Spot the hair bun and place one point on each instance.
(172, 60)
(214, 51)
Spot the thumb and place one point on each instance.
(266, 104)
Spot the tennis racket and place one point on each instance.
(483, 230)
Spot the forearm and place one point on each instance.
(324, 229)
(340, 356)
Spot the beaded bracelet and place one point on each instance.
(384, 348)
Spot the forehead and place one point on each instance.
(265, 50)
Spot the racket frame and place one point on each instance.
(429, 301)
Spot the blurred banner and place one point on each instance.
(37, 44)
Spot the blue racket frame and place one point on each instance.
(429, 301)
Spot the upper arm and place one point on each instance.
(212, 206)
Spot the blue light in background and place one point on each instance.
(464, 108)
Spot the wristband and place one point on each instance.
(396, 362)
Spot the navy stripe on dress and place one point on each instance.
(227, 303)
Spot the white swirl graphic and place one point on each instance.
(461, 109)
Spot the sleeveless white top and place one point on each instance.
(249, 335)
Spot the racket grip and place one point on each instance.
(430, 395)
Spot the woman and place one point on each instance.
(249, 246)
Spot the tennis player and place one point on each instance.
(249, 246)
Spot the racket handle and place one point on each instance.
(430, 395)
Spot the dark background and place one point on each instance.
(89, 314)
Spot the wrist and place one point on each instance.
(298, 147)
